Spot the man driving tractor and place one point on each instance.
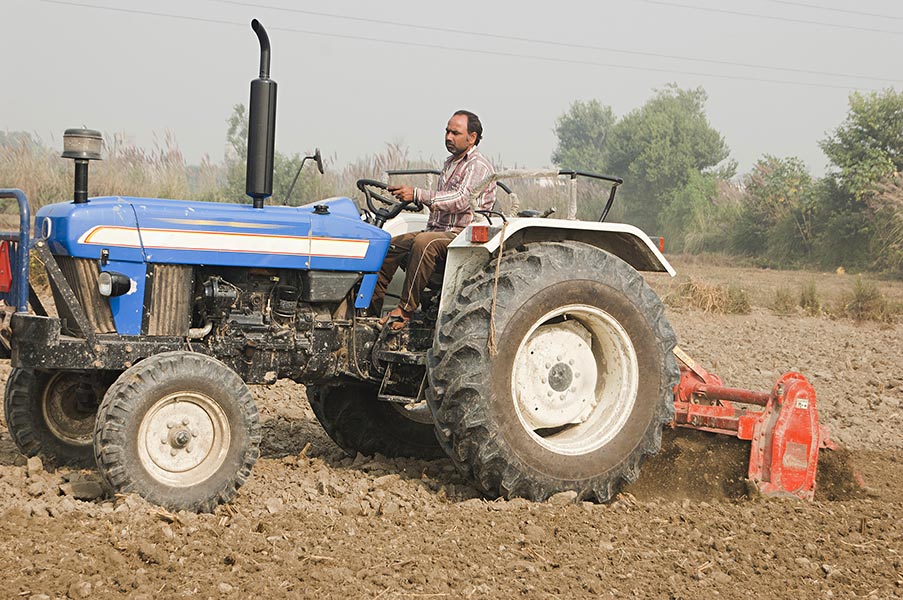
(450, 213)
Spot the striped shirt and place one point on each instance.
(450, 204)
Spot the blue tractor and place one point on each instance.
(543, 362)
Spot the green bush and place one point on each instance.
(784, 302)
(810, 301)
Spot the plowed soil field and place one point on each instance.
(314, 523)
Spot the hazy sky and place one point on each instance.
(355, 75)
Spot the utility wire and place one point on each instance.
(465, 50)
(485, 34)
(837, 10)
(770, 17)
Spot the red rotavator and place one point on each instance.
(782, 425)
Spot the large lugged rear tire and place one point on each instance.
(179, 429)
(357, 422)
(581, 384)
(52, 414)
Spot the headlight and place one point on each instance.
(112, 284)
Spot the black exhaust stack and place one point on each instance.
(261, 125)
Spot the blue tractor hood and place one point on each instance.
(155, 230)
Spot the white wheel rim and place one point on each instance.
(575, 379)
(59, 405)
(183, 439)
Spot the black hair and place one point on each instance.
(473, 124)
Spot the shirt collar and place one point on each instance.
(467, 155)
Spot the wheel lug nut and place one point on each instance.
(184, 421)
(173, 452)
(549, 394)
(571, 362)
(170, 425)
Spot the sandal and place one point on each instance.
(397, 319)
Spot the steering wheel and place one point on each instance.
(382, 214)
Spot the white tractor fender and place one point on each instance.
(627, 242)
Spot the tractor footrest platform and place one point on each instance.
(401, 357)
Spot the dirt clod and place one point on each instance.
(34, 466)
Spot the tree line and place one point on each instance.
(680, 182)
(679, 179)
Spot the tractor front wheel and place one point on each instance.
(52, 414)
(179, 429)
(580, 382)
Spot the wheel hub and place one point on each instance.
(574, 380)
(556, 376)
(560, 377)
(183, 438)
(69, 407)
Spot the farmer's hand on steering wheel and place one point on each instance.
(405, 193)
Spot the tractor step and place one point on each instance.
(391, 387)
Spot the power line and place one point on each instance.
(837, 10)
(485, 34)
(770, 17)
(458, 49)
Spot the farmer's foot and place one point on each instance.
(397, 319)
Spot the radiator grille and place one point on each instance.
(169, 302)
(81, 274)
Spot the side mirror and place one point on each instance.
(317, 158)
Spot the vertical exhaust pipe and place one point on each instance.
(261, 126)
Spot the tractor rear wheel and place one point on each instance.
(579, 387)
(179, 429)
(52, 414)
(358, 422)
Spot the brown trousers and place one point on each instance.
(423, 251)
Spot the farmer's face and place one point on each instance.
(457, 140)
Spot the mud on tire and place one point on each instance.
(581, 384)
(357, 422)
(52, 414)
(179, 429)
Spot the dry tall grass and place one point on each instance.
(866, 302)
(38, 171)
(710, 298)
(126, 170)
